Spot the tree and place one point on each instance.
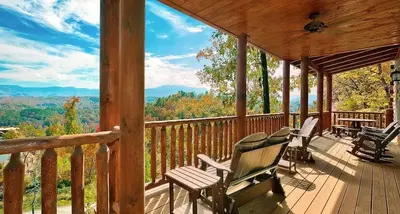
(55, 129)
(363, 89)
(220, 73)
(265, 84)
(72, 125)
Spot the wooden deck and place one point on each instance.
(336, 183)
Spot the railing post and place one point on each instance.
(49, 181)
(388, 116)
(77, 177)
(13, 185)
(102, 162)
(241, 86)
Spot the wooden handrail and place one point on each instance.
(43, 143)
(359, 112)
(151, 124)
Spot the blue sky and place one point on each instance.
(56, 43)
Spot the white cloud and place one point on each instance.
(179, 23)
(160, 71)
(65, 65)
(61, 65)
(62, 16)
(162, 36)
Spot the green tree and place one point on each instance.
(220, 73)
(363, 89)
(55, 129)
(72, 125)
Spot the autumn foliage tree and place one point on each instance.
(363, 89)
(72, 125)
(220, 73)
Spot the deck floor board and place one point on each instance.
(336, 183)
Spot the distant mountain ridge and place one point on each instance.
(54, 91)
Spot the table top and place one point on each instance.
(356, 120)
(192, 177)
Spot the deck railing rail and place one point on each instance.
(378, 116)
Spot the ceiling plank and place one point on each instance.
(393, 55)
(361, 65)
(361, 56)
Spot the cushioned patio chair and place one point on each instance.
(372, 147)
(251, 172)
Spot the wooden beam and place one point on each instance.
(132, 26)
(320, 100)
(241, 86)
(336, 57)
(360, 56)
(361, 65)
(329, 97)
(109, 86)
(304, 89)
(313, 66)
(286, 91)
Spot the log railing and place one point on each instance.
(15, 170)
(294, 119)
(378, 116)
(176, 143)
(169, 144)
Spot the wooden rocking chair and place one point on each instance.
(372, 147)
(251, 172)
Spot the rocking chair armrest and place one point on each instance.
(212, 163)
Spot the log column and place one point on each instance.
(389, 111)
(132, 26)
(329, 97)
(320, 100)
(305, 61)
(241, 86)
(286, 92)
(109, 89)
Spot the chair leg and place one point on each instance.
(277, 185)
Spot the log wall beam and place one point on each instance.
(304, 66)
(241, 86)
(132, 27)
(286, 91)
(109, 86)
(320, 100)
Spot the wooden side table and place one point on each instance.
(194, 181)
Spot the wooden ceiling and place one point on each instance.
(276, 26)
(338, 63)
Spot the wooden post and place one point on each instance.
(286, 92)
(329, 98)
(241, 86)
(49, 181)
(13, 185)
(305, 61)
(320, 100)
(109, 87)
(132, 26)
(389, 111)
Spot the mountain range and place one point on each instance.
(18, 91)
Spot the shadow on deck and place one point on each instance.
(336, 183)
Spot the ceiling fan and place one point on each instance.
(314, 26)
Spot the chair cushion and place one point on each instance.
(279, 136)
(252, 141)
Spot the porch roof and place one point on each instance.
(276, 26)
